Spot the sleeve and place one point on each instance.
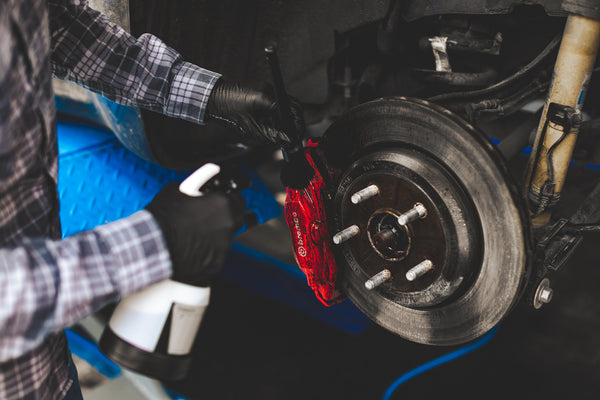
(47, 285)
(95, 53)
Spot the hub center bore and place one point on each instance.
(388, 238)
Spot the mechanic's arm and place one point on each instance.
(89, 49)
(92, 51)
(47, 285)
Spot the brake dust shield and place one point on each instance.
(466, 241)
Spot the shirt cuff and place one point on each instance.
(139, 251)
(190, 88)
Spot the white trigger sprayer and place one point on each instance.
(152, 331)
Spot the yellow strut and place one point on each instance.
(572, 73)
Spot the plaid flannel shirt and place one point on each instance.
(47, 284)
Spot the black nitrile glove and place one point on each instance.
(251, 112)
(198, 230)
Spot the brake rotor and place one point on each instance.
(433, 238)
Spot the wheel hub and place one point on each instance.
(406, 179)
(430, 230)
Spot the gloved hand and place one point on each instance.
(253, 113)
(198, 230)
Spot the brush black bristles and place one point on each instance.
(296, 172)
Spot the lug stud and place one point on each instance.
(364, 194)
(419, 270)
(378, 279)
(346, 234)
(417, 212)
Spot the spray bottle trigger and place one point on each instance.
(192, 184)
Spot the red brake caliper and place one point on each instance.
(305, 216)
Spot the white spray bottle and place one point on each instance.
(152, 331)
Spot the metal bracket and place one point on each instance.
(440, 52)
(568, 118)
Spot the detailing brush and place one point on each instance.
(296, 172)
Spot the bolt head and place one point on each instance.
(543, 294)
(546, 295)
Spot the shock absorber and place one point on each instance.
(561, 115)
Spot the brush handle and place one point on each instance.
(285, 108)
(296, 172)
